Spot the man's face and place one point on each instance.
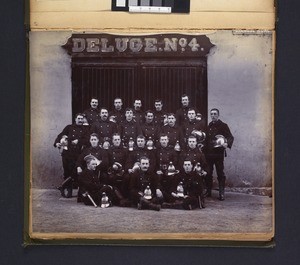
(129, 115)
(149, 117)
(94, 141)
(185, 101)
(137, 104)
(94, 103)
(145, 165)
(192, 143)
(140, 142)
(92, 165)
(171, 120)
(116, 140)
(79, 120)
(214, 115)
(187, 166)
(104, 114)
(191, 115)
(118, 104)
(158, 106)
(164, 140)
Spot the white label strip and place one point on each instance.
(150, 9)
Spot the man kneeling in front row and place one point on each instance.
(93, 185)
(188, 188)
(144, 191)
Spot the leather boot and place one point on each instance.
(221, 193)
(63, 186)
(122, 201)
(69, 192)
(155, 207)
(207, 193)
(201, 202)
(208, 184)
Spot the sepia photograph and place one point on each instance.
(161, 136)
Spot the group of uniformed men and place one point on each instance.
(147, 160)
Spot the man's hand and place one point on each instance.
(174, 195)
(58, 145)
(79, 170)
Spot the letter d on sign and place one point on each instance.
(78, 45)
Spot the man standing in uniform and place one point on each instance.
(138, 113)
(173, 131)
(192, 125)
(219, 138)
(103, 127)
(159, 113)
(182, 113)
(117, 115)
(92, 114)
(149, 129)
(71, 141)
(129, 128)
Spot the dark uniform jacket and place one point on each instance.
(174, 134)
(215, 128)
(104, 129)
(159, 118)
(150, 130)
(192, 183)
(92, 115)
(164, 156)
(190, 126)
(195, 156)
(97, 152)
(94, 183)
(139, 182)
(129, 129)
(139, 116)
(89, 180)
(73, 131)
(118, 114)
(117, 154)
(135, 156)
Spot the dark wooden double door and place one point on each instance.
(143, 78)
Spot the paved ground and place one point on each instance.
(239, 213)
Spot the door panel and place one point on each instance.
(140, 78)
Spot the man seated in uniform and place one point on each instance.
(193, 153)
(144, 187)
(188, 188)
(165, 153)
(93, 184)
